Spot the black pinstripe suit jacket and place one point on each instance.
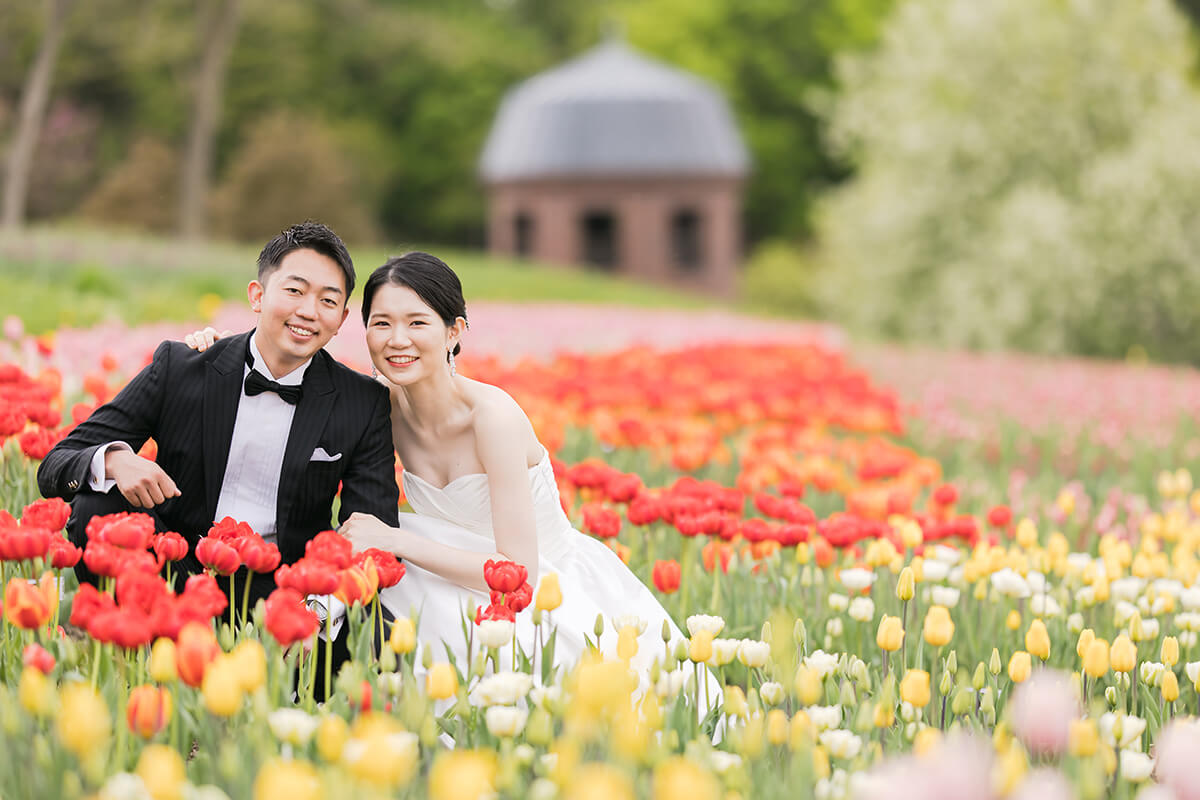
(187, 401)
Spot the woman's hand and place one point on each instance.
(366, 531)
(200, 340)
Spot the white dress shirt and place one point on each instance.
(250, 488)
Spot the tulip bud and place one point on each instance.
(427, 656)
(1110, 696)
(598, 628)
(1170, 651)
(148, 710)
(403, 638)
(847, 697)
(945, 683)
(1122, 655)
(1170, 686)
(1037, 640)
(387, 659)
(681, 650)
(979, 679)
(225, 637)
(906, 584)
(799, 633)
(994, 663)
(963, 701)
(666, 631)
(549, 595)
(952, 662)
(987, 701)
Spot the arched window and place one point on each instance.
(598, 233)
(687, 252)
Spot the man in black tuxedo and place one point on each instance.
(262, 426)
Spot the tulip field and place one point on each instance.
(912, 577)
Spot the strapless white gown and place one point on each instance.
(593, 578)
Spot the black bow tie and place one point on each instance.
(257, 383)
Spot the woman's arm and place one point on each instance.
(502, 441)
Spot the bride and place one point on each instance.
(480, 484)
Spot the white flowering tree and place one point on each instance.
(1028, 175)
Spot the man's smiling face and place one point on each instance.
(300, 306)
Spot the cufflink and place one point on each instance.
(72, 485)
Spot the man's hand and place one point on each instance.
(142, 482)
(366, 531)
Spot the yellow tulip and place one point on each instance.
(1170, 686)
(281, 779)
(1169, 654)
(1095, 659)
(777, 727)
(1086, 637)
(597, 781)
(800, 731)
(36, 692)
(251, 662)
(884, 716)
(403, 638)
(332, 734)
(1037, 639)
(161, 769)
(808, 685)
(1084, 738)
(463, 775)
(680, 778)
(162, 661)
(627, 642)
(926, 740)
(222, 687)
(1019, 666)
(701, 646)
(939, 627)
(1123, 654)
(549, 594)
(1013, 620)
(906, 584)
(83, 724)
(890, 635)
(441, 682)
(914, 687)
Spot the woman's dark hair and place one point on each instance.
(429, 277)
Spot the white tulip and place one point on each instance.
(834, 627)
(546, 696)
(705, 622)
(933, 571)
(753, 653)
(841, 743)
(495, 633)
(1126, 588)
(862, 609)
(724, 651)
(943, 554)
(502, 688)
(1187, 639)
(1075, 622)
(944, 596)
(292, 725)
(1192, 670)
(543, 789)
(1135, 767)
(1150, 628)
(722, 762)
(1190, 598)
(670, 684)
(1120, 730)
(1151, 673)
(630, 621)
(772, 693)
(837, 602)
(824, 717)
(821, 662)
(856, 578)
(1009, 583)
(1043, 605)
(125, 786)
(505, 721)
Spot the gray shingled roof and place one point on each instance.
(612, 111)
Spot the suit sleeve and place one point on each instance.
(130, 417)
(369, 481)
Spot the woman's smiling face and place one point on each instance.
(407, 339)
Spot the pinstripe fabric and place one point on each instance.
(187, 401)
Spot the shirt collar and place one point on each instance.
(293, 378)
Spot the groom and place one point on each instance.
(261, 427)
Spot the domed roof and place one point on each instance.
(612, 111)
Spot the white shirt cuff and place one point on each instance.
(100, 481)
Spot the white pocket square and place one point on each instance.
(320, 455)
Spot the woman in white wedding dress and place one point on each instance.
(482, 487)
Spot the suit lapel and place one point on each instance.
(222, 393)
(312, 414)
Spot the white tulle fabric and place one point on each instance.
(593, 578)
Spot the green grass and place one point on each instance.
(66, 277)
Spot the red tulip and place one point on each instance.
(202, 593)
(623, 488)
(20, 544)
(999, 516)
(130, 531)
(141, 590)
(644, 510)
(229, 530)
(357, 584)
(169, 546)
(258, 554)
(218, 556)
(945, 495)
(307, 576)
(35, 443)
(129, 628)
(504, 576)
(103, 558)
(288, 619)
(666, 575)
(332, 548)
(495, 611)
(601, 521)
(50, 514)
(89, 601)
(36, 656)
(520, 599)
(390, 568)
(63, 554)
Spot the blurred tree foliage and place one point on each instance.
(406, 91)
(1022, 179)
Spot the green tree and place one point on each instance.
(1018, 180)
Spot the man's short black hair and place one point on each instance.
(307, 235)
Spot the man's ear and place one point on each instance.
(254, 293)
(345, 313)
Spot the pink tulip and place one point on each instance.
(1042, 710)
(1177, 764)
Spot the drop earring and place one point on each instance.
(450, 358)
(374, 372)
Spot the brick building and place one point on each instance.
(620, 163)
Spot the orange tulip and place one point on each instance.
(149, 710)
(29, 605)
(357, 583)
(195, 649)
